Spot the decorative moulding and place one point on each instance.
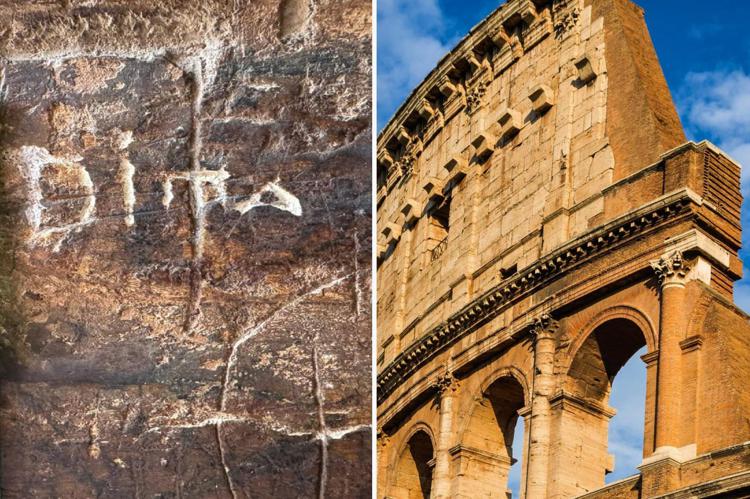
(446, 86)
(586, 70)
(403, 136)
(510, 122)
(498, 298)
(542, 98)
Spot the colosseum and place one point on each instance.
(542, 218)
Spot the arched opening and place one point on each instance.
(413, 474)
(626, 427)
(490, 450)
(586, 418)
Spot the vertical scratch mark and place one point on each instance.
(178, 481)
(126, 173)
(251, 333)
(224, 464)
(196, 200)
(322, 429)
(3, 87)
(357, 285)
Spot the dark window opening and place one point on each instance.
(439, 228)
(509, 271)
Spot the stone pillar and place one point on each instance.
(672, 274)
(447, 387)
(537, 476)
(382, 462)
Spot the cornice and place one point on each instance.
(488, 49)
(529, 280)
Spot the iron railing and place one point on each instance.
(438, 250)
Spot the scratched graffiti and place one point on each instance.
(207, 187)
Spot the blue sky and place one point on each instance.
(705, 54)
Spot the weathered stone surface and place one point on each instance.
(185, 249)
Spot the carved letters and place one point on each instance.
(68, 175)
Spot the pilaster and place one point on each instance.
(447, 387)
(543, 331)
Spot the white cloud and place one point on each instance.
(716, 105)
(409, 46)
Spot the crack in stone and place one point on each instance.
(224, 463)
(357, 286)
(322, 428)
(196, 198)
(251, 333)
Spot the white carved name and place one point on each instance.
(207, 187)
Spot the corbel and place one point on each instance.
(384, 158)
(382, 249)
(457, 169)
(403, 136)
(500, 37)
(510, 122)
(411, 210)
(542, 98)
(473, 61)
(433, 188)
(446, 86)
(484, 144)
(586, 70)
(425, 109)
(529, 13)
(391, 232)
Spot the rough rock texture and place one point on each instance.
(185, 249)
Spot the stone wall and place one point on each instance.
(185, 248)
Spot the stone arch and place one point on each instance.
(411, 477)
(625, 312)
(608, 341)
(484, 454)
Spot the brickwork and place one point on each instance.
(576, 226)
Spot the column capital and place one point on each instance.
(543, 327)
(446, 383)
(671, 269)
(383, 438)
